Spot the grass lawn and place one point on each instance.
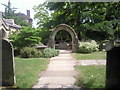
(27, 71)
(91, 76)
(94, 55)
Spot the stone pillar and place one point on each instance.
(113, 68)
(8, 78)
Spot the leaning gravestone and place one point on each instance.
(8, 78)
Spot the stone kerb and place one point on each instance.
(8, 78)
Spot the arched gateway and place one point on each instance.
(75, 41)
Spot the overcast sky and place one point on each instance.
(22, 5)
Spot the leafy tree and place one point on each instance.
(42, 14)
(43, 34)
(90, 20)
(10, 14)
(9, 11)
(25, 38)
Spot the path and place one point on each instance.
(59, 73)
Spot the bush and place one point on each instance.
(30, 52)
(27, 37)
(48, 52)
(88, 47)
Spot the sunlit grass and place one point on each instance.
(27, 71)
(91, 76)
(94, 55)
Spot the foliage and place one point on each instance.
(92, 76)
(9, 10)
(91, 56)
(30, 52)
(88, 47)
(25, 38)
(43, 34)
(90, 20)
(63, 36)
(9, 13)
(48, 52)
(42, 15)
(27, 71)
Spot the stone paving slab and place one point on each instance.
(61, 65)
(65, 55)
(62, 62)
(57, 80)
(102, 62)
(91, 62)
(58, 86)
(60, 73)
(60, 57)
(61, 68)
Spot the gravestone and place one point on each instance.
(113, 68)
(62, 45)
(8, 78)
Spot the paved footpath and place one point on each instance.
(59, 73)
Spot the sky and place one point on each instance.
(22, 6)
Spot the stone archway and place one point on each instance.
(75, 41)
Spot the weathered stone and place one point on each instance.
(8, 78)
(0, 61)
(62, 45)
(113, 68)
(75, 41)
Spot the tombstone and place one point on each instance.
(8, 78)
(113, 68)
(62, 45)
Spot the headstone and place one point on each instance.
(113, 68)
(62, 45)
(8, 78)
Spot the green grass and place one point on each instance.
(94, 55)
(90, 76)
(27, 71)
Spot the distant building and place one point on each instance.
(26, 17)
(7, 26)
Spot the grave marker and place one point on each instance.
(8, 78)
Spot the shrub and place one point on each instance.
(30, 52)
(25, 38)
(48, 52)
(88, 47)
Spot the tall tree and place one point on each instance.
(42, 14)
(9, 13)
(90, 20)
